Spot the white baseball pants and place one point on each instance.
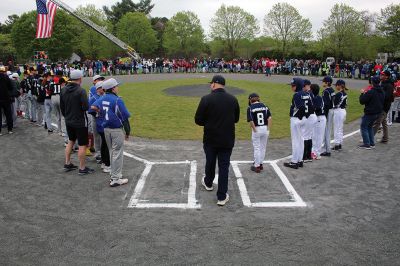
(308, 128)
(338, 121)
(328, 130)
(259, 139)
(318, 134)
(296, 127)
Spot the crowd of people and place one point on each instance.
(266, 66)
(99, 122)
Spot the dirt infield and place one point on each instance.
(198, 90)
(48, 217)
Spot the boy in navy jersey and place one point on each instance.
(319, 129)
(339, 108)
(259, 118)
(328, 95)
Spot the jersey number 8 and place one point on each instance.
(260, 119)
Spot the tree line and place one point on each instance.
(346, 33)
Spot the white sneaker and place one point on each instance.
(118, 182)
(102, 166)
(223, 202)
(106, 169)
(205, 186)
(10, 132)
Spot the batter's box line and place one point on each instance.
(135, 201)
(297, 200)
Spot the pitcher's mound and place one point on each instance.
(198, 90)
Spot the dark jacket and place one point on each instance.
(74, 104)
(388, 88)
(5, 88)
(218, 112)
(373, 101)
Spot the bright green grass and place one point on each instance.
(161, 116)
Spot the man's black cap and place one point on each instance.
(253, 95)
(218, 79)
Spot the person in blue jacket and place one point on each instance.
(116, 128)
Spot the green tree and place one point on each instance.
(158, 24)
(285, 23)
(7, 50)
(135, 29)
(388, 25)
(7, 26)
(184, 35)
(91, 43)
(342, 31)
(231, 24)
(60, 46)
(117, 11)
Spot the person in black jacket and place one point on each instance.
(217, 113)
(388, 89)
(5, 100)
(74, 104)
(373, 101)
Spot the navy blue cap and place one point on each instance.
(218, 79)
(306, 82)
(298, 83)
(340, 82)
(375, 80)
(253, 95)
(327, 79)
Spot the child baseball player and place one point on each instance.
(259, 118)
(310, 121)
(319, 128)
(339, 116)
(328, 96)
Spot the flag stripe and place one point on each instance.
(45, 18)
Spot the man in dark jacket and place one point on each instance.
(388, 89)
(5, 100)
(373, 101)
(74, 104)
(218, 112)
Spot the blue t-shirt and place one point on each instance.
(92, 92)
(113, 109)
(258, 113)
(99, 117)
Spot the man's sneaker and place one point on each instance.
(364, 146)
(307, 160)
(118, 182)
(205, 186)
(291, 165)
(255, 169)
(86, 171)
(372, 146)
(10, 132)
(98, 159)
(223, 202)
(326, 154)
(70, 167)
(300, 164)
(106, 169)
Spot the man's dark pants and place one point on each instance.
(223, 155)
(6, 107)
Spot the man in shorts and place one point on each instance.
(74, 104)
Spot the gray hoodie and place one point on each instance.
(74, 104)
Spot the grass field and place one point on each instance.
(161, 116)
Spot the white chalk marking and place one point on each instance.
(137, 158)
(278, 204)
(241, 185)
(192, 185)
(140, 185)
(166, 205)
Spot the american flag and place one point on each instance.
(46, 12)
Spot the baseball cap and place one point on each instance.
(327, 79)
(253, 95)
(110, 83)
(340, 82)
(75, 74)
(218, 79)
(99, 85)
(298, 83)
(15, 75)
(386, 73)
(98, 77)
(375, 80)
(306, 82)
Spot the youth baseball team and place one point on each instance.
(103, 113)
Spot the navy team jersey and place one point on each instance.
(340, 100)
(258, 113)
(55, 88)
(319, 105)
(309, 103)
(299, 107)
(329, 97)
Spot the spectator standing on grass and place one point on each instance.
(373, 100)
(116, 128)
(5, 100)
(217, 113)
(74, 105)
(388, 89)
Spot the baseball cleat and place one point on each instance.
(291, 165)
(118, 182)
(255, 169)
